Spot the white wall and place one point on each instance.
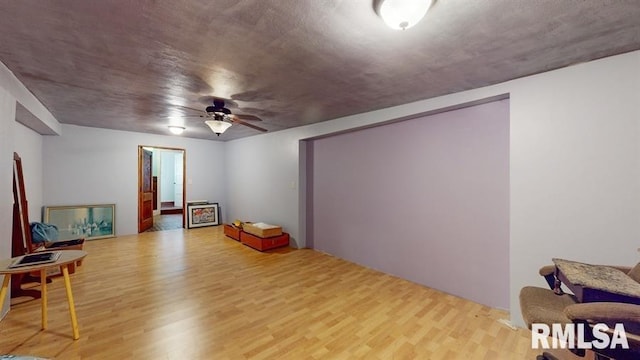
(262, 178)
(574, 166)
(92, 166)
(167, 170)
(29, 147)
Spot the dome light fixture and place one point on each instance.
(218, 125)
(176, 129)
(402, 14)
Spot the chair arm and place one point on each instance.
(609, 313)
(549, 273)
(547, 270)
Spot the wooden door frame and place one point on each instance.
(184, 178)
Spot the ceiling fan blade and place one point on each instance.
(247, 117)
(238, 121)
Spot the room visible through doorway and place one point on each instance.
(162, 189)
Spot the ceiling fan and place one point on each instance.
(219, 118)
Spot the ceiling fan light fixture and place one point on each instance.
(176, 129)
(218, 126)
(402, 14)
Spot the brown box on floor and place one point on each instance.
(262, 230)
(232, 231)
(263, 244)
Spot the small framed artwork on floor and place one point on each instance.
(202, 215)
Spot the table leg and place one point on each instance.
(3, 291)
(43, 297)
(72, 307)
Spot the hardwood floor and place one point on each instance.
(196, 294)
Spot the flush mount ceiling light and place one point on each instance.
(401, 14)
(218, 125)
(176, 129)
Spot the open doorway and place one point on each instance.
(161, 190)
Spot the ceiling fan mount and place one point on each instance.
(218, 108)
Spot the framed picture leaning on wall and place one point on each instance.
(86, 221)
(202, 215)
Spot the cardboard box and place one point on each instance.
(262, 230)
(263, 244)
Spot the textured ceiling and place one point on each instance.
(135, 65)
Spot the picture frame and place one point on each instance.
(202, 215)
(82, 221)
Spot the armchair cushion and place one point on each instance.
(541, 305)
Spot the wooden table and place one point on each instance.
(66, 257)
(592, 283)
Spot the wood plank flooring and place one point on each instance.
(196, 294)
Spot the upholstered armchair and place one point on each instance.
(551, 306)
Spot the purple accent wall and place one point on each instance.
(425, 199)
